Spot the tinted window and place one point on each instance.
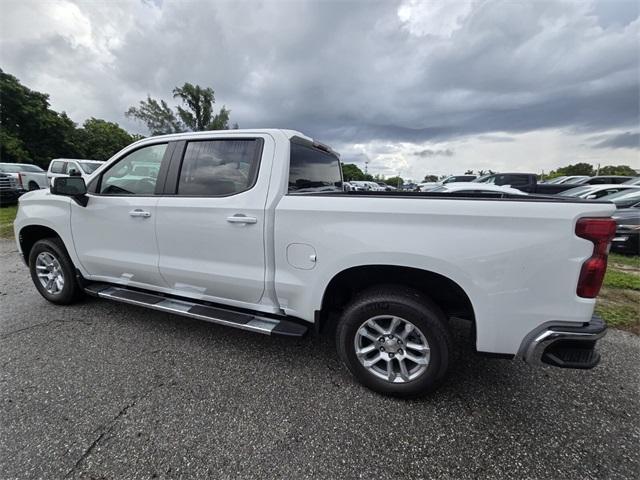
(219, 167)
(514, 180)
(313, 170)
(135, 174)
(59, 167)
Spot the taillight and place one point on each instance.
(600, 231)
(19, 179)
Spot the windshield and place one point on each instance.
(312, 169)
(574, 192)
(89, 167)
(623, 199)
(19, 167)
(575, 180)
(558, 180)
(485, 179)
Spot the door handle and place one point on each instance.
(239, 218)
(138, 212)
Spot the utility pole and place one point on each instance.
(366, 167)
(598, 170)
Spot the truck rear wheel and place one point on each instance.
(52, 272)
(395, 341)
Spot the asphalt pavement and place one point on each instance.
(104, 390)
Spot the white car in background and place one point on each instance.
(27, 176)
(427, 186)
(65, 167)
(367, 186)
(470, 187)
(591, 192)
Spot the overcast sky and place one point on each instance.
(411, 86)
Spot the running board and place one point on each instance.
(244, 321)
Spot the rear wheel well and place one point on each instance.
(444, 292)
(29, 235)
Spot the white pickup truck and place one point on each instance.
(252, 229)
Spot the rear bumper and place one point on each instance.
(564, 346)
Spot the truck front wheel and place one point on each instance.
(52, 272)
(394, 340)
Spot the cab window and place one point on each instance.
(59, 167)
(312, 169)
(219, 167)
(134, 174)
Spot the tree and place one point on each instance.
(575, 169)
(29, 130)
(99, 139)
(618, 170)
(396, 181)
(200, 114)
(468, 172)
(430, 178)
(196, 114)
(158, 117)
(351, 172)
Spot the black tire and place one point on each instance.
(70, 291)
(33, 186)
(412, 306)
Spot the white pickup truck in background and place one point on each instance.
(26, 175)
(252, 229)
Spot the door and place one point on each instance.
(210, 223)
(114, 235)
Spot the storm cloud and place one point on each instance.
(364, 76)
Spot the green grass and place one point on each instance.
(619, 279)
(620, 315)
(626, 260)
(7, 215)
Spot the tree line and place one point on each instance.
(32, 132)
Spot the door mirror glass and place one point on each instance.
(69, 186)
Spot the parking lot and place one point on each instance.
(105, 390)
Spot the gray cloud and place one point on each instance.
(621, 140)
(428, 152)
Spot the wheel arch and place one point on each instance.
(30, 234)
(442, 290)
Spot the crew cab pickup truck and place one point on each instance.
(27, 176)
(252, 229)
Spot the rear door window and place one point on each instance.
(219, 167)
(313, 170)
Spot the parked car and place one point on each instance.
(26, 175)
(566, 179)
(603, 179)
(9, 192)
(470, 187)
(627, 238)
(597, 191)
(527, 182)
(63, 167)
(633, 181)
(293, 250)
(624, 199)
(427, 186)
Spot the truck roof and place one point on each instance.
(250, 131)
